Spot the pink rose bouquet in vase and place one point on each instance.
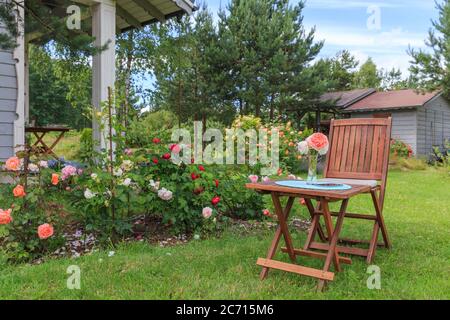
(315, 145)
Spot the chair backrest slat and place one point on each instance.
(359, 149)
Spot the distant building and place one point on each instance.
(420, 120)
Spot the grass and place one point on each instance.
(417, 213)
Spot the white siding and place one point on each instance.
(8, 102)
(433, 123)
(404, 125)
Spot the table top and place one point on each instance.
(271, 186)
(46, 129)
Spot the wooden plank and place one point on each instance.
(151, 9)
(360, 122)
(374, 149)
(341, 249)
(350, 155)
(125, 15)
(362, 150)
(345, 143)
(368, 157)
(338, 152)
(305, 271)
(318, 255)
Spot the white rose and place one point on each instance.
(43, 164)
(165, 194)
(127, 165)
(154, 185)
(118, 172)
(33, 168)
(88, 194)
(94, 176)
(126, 182)
(303, 148)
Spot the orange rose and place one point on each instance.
(13, 164)
(318, 141)
(55, 179)
(45, 231)
(5, 216)
(19, 191)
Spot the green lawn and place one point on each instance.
(417, 214)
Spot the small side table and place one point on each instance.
(40, 132)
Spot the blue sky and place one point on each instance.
(343, 24)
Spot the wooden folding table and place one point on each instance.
(329, 236)
(40, 132)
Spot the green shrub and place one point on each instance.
(86, 145)
(155, 124)
(400, 149)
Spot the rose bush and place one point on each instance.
(29, 220)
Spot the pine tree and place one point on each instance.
(430, 69)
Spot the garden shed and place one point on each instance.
(421, 120)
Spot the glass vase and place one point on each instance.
(312, 167)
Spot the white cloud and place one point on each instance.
(388, 49)
(363, 38)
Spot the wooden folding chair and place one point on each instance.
(359, 154)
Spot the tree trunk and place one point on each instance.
(272, 97)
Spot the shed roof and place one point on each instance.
(343, 99)
(386, 100)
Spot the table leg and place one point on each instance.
(273, 247)
(61, 135)
(315, 224)
(332, 254)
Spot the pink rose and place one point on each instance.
(68, 171)
(207, 211)
(253, 178)
(318, 141)
(12, 164)
(266, 179)
(45, 231)
(5, 216)
(266, 212)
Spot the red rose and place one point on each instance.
(166, 156)
(216, 182)
(215, 200)
(156, 140)
(192, 160)
(194, 176)
(155, 160)
(201, 168)
(199, 190)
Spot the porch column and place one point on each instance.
(20, 55)
(103, 64)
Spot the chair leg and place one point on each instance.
(373, 243)
(380, 219)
